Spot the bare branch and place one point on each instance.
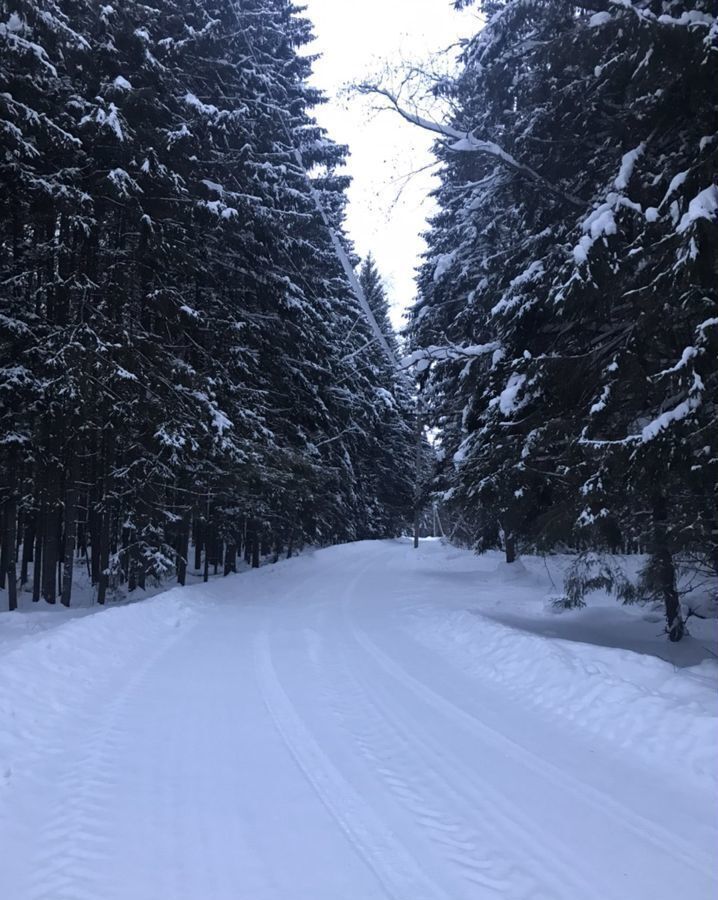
(467, 142)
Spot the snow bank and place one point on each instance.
(50, 674)
(639, 702)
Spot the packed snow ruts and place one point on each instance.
(357, 722)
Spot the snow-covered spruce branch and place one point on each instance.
(467, 142)
(423, 358)
(689, 19)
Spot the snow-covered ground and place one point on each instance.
(34, 617)
(362, 722)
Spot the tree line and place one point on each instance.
(182, 360)
(566, 331)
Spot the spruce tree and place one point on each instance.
(178, 352)
(585, 255)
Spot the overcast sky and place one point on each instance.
(356, 39)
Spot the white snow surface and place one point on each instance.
(628, 163)
(361, 723)
(443, 264)
(507, 399)
(599, 223)
(703, 206)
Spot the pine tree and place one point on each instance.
(182, 356)
(391, 461)
(584, 254)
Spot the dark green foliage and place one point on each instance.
(592, 422)
(593, 571)
(181, 356)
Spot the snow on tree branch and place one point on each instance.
(688, 19)
(467, 142)
(422, 359)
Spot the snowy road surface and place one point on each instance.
(304, 732)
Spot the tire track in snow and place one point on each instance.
(519, 860)
(396, 869)
(666, 843)
(474, 857)
(76, 837)
(386, 742)
(195, 814)
(427, 759)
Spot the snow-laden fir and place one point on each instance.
(195, 383)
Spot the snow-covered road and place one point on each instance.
(289, 734)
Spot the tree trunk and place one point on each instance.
(104, 556)
(132, 565)
(265, 544)
(217, 554)
(51, 534)
(248, 540)
(95, 528)
(9, 538)
(28, 542)
(81, 538)
(197, 534)
(37, 555)
(70, 523)
(206, 535)
(510, 547)
(135, 572)
(255, 549)
(230, 558)
(182, 547)
(4, 550)
(418, 476)
(664, 572)
(50, 553)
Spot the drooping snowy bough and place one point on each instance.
(576, 236)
